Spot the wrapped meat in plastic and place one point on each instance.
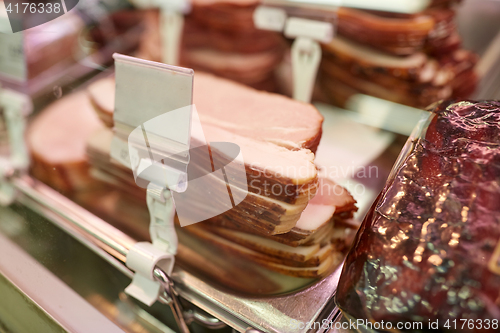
(429, 249)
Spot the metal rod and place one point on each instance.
(77, 220)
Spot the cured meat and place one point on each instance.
(331, 203)
(102, 97)
(401, 36)
(43, 50)
(398, 34)
(268, 166)
(416, 80)
(220, 37)
(270, 211)
(225, 15)
(325, 240)
(429, 248)
(249, 69)
(238, 109)
(348, 53)
(50, 49)
(319, 264)
(404, 58)
(273, 158)
(246, 42)
(57, 140)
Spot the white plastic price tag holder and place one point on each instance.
(306, 57)
(306, 51)
(15, 108)
(315, 30)
(171, 25)
(152, 137)
(269, 18)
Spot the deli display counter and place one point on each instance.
(250, 166)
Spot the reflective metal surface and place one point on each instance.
(75, 269)
(28, 302)
(269, 314)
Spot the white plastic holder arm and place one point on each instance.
(171, 26)
(162, 226)
(306, 50)
(144, 257)
(306, 53)
(16, 107)
(306, 57)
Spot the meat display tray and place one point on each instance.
(287, 307)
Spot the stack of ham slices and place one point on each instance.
(303, 230)
(220, 37)
(409, 59)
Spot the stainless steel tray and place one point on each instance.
(287, 310)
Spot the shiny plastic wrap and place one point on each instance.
(429, 249)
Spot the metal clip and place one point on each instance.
(171, 298)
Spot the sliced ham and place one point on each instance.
(267, 159)
(348, 53)
(331, 203)
(326, 261)
(220, 37)
(241, 67)
(267, 246)
(409, 59)
(225, 2)
(202, 36)
(57, 142)
(397, 35)
(102, 96)
(241, 110)
(292, 173)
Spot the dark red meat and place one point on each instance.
(425, 251)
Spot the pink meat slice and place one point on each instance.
(259, 115)
(241, 110)
(60, 133)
